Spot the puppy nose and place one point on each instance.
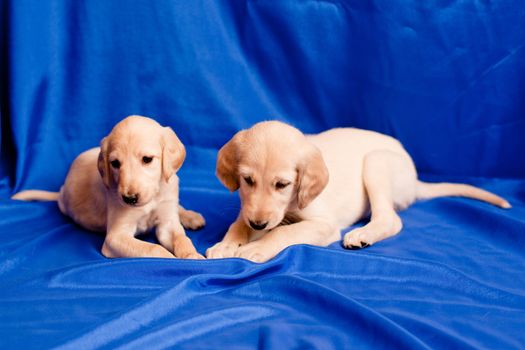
(258, 225)
(131, 199)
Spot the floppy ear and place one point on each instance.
(228, 162)
(103, 163)
(173, 153)
(313, 177)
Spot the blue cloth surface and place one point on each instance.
(447, 78)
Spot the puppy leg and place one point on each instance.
(390, 181)
(120, 237)
(120, 244)
(171, 235)
(316, 233)
(175, 240)
(183, 248)
(237, 235)
(191, 219)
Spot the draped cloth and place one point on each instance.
(447, 78)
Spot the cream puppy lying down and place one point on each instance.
(128, 186)
(304, 189)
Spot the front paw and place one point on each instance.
(222, 250)
(194, 255)
(255, 252)
(357, 238)
(192, 220)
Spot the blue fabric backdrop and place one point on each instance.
(447, 78)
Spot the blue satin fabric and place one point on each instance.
(444, 77)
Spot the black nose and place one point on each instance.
(258, 225)
(131, 199)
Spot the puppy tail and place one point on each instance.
(36, 195)
(432, 190)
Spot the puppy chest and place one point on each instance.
(145, 223)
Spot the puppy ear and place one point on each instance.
(228, 162)
(173, 153)
(313, 177)
(103, 163)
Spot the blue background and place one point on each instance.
(444, 77)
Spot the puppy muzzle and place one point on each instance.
(131, 199)
(258, 224)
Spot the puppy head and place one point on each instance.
(275, 169)
(136, 156)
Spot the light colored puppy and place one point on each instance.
(304, 189)
(127, 186)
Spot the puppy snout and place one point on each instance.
(131, 199)
(258, 224)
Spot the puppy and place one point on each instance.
(126, 187)
(304, 189)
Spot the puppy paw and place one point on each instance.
(355, 240)
(160, 252)
(222, 250)
(373, 232)
(194, 255)
(254, 252)
(192, 220)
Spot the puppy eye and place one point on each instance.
(280, 185)
(115, 163)
(147, 160)
(249, 181)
